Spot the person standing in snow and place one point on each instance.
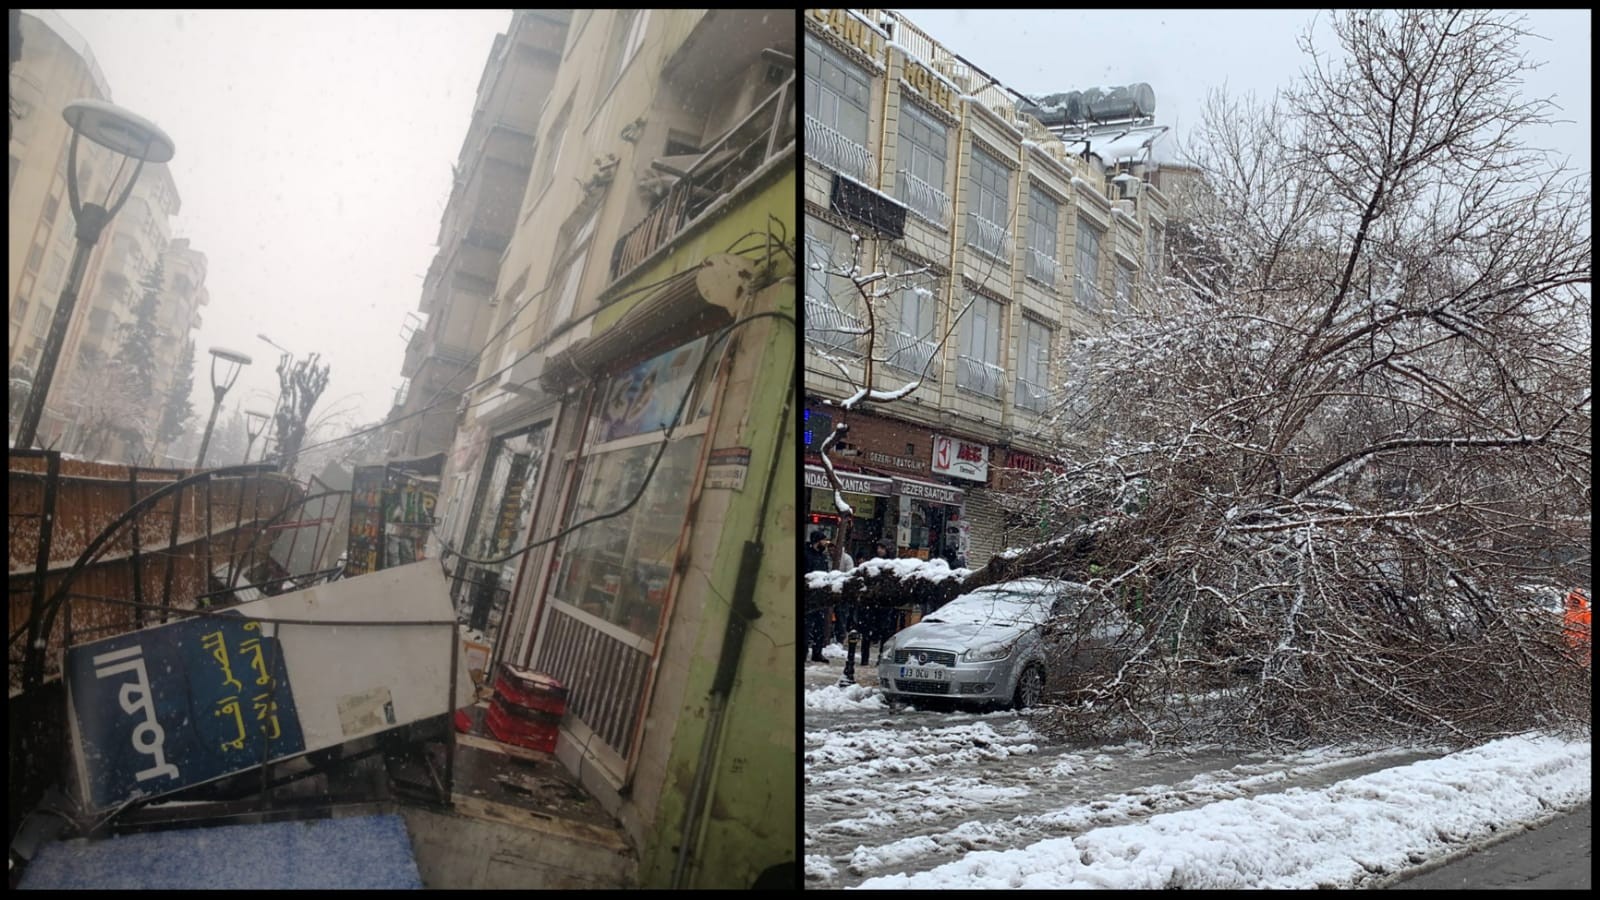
(817, 619)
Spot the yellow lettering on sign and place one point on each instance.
(931, 86)
(852, 29)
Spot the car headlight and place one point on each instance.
(987, 652)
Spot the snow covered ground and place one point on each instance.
(930, 799)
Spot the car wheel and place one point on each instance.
(1030, 687)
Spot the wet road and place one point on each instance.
(906, 790)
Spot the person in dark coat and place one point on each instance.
(877, 622)
(817, 619)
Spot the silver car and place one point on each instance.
(993, 645)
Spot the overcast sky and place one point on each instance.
(313, 163)
(1182, 54)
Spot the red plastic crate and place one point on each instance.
(529, 689)
(516, 730)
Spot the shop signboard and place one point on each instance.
(957, 458)
(647, 397)
(930, 493)
(855, 484)
(190, 701)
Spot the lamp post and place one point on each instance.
(235, 364)
(254, 422)
(121, 132)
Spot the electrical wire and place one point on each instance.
(661, 448)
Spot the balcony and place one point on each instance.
(1031, 396)
(986, 237)
(766, 133)
(832, 329)
(910, 354)
(1042, 268)
(839, 153)
(924, 199)
(979, 377)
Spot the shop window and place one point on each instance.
(501, 516)
(617, 569)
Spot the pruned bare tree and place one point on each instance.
(1338, 466)
(302, 383)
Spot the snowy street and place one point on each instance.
(913, 798)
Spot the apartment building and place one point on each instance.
(631, 421)
(490, 178)
(57, 68)
(1001, 239)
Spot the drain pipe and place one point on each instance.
(743, 612)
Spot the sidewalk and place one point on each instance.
(1553, 857)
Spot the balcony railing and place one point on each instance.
(1042, 268)
(910, 354)
(979, 376)
(833, 329)
(1085, 293)
(923, 198)
(1031, 396)
(837, 152)
(765, 133)
(986, 237)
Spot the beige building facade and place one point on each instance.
(57, 67)
(647, 259)
(1001, 242)
(491, 176)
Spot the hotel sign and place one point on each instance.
(960, 459)
(845, 24)
(931, 86)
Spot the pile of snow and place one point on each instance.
(1352, 834)
(926, 569)
(834, 698)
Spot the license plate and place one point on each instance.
(915, 674)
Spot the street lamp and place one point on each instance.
(121, 132)
(254, 422)
(235, 364)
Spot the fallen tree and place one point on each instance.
(1338, 466)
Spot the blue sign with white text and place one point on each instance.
(179, 704)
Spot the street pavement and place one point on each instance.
(1553, 857)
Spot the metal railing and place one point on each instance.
(1031, 396)
(1085, 293)
(719, 172)
(831, 327)
(1042, 268)
(910, 354)
(923, 198)
(986, 237)
(832, 149)
(979, 376)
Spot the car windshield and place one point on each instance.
(995, 607)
